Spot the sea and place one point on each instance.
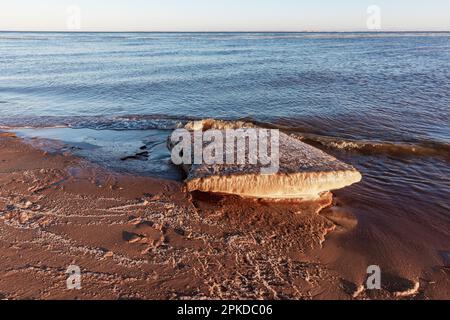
(379, 101)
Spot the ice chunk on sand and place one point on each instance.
(305, 172)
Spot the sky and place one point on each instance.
(224, 15)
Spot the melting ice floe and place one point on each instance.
(305, 172)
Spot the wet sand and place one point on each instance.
(145, 238)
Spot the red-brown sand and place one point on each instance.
(143, 238)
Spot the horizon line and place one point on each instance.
(228, 31)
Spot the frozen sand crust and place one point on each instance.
(293, 186)
(305, 172)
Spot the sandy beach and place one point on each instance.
(137, 237)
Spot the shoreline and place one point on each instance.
(139, 237)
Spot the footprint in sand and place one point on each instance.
(351, 288)
(147, 233)
(399, 286)
(132, 237)
(391, 284)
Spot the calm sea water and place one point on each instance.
(379, 101)
(385, 86)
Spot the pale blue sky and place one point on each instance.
(224, 15)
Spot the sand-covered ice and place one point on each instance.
(304, 172)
